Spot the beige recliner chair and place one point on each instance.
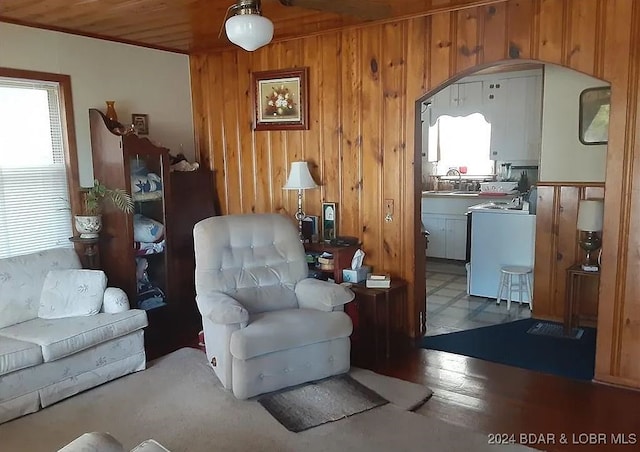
(266, 325)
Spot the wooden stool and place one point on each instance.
(523, 283)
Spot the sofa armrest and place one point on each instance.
(221, 308)
(114, 300)
(322, 295)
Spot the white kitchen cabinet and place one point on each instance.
(456, 240)
(459, 99)
(448, 235)
(467, 97)
(437, 228)
(514, 108)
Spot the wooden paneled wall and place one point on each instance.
(361, 143)
(557, 249)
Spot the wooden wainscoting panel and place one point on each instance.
(351, 157)
(492, 39)
(416, 80)
(566, 217)
(371, 67)
(367, 81)
(393, 151)
(553, 26)
(467, 45)
(557, 248)
(584, 37)
(545, 253)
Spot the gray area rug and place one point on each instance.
(316, 403)
(180, 403)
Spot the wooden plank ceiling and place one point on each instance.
(188, 26)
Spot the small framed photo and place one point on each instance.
(329, 221)
(140, 123)
(280, 99)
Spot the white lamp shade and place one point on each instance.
(299, 177)
(249, 31)
(590, 215)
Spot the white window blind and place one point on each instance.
(34, 196)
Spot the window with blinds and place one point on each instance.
(34, 195)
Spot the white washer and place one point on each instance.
(498, 237)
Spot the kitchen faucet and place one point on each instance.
(455, 172)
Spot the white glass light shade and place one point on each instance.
(299, 177)
(249, 31)
(590, 215)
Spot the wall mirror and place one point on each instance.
(594, 115)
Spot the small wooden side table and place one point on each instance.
(90, 251)
(575, 275)
(379, 317)
(342, 256)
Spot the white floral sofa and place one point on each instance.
(61, 331)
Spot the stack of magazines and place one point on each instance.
(378, 281)
(325, 261)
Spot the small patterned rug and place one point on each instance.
(554, 330)
(316, 403)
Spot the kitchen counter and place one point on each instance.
(463, 194)
(444, 216)
(450, 194)
(456, 203)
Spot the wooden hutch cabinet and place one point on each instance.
(149, 254)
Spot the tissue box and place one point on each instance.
(356, 276)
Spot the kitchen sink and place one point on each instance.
(451, 192)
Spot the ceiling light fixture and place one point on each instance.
(247, 27)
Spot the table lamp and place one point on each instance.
(590, 217)
(299, 179)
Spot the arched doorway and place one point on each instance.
(567, 171)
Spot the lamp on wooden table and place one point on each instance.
(590, 218)
(299, 179)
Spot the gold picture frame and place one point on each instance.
(280, 99)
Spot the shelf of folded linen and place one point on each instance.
(146, 248)
(147, 196)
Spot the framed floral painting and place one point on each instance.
(280, 99)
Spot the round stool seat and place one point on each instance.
(516, 269)
(521, 285)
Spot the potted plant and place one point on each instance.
(90, 224)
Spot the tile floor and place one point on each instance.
(450, 309)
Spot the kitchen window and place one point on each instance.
(34, 195)
(459, 142)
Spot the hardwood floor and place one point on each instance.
(498, 399)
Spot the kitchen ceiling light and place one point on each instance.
(247, 27)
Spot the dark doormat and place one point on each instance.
(316, 403)
(510, 344)
(554, 330)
